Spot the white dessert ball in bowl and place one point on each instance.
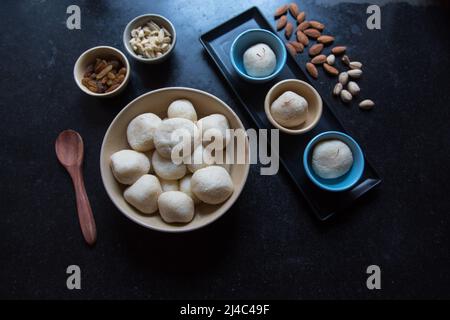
(157, 103)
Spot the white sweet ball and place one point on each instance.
(166, 169)
(214, 126)
(169, 185)
(185, 186)
(144, 193)
(128, 165)
(212, 184)
(182, 108)
(289, 109)
(140, 131)
(331, 159)
(168, 137)
(176, 206)
(200, 158)
(259, 60)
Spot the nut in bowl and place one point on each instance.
(258, 55)
(102, 71)
(150, 38)
(293, 106)
(156, 192)
(333, 161)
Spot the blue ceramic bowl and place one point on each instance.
(344, 182)
(249, 38)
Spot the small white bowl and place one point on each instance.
(142, 20)
(88, 57)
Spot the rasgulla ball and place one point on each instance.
(214, 126)
(166, 168)
(169, 135)
(289, 109)
(182, 109)
(169, 185)
(212, 184)
(200, 158)
(176, 206)
(140, 131)
(185, 186)
(259, 60)
(144, 193)
(127, 165)
(331, 159)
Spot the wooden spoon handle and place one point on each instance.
(85, 216)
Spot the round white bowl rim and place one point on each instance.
(223, 211)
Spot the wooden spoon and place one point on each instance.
(70, 151)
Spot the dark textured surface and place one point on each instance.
(269, 245)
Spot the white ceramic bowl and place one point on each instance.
(157, 102)
(88, 57)
(142, 20)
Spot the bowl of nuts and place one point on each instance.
(150, 38)
(102, 71)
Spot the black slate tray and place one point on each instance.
(217, 43)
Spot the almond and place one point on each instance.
(316, 49)
(303, 26)
(312, 70)
(331, 70)
(288, 31)
(297, 45)
(312, 33)
(325, 39)
(302, 38)
(291, 49)
(317, 25)
(281, 23)
(301, 17)
(319, 59)
(281, 11)
(338, 50)
(293, 9)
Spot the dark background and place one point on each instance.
(269, 245)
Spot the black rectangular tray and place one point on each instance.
(217, 43)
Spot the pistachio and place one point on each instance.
(355, 65)
(331, 59)
(346, 96)
(355, 73)
(343, 78)
(366, 104)
(353, 88)
(337, 88)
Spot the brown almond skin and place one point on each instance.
(299, 47)
(338, 50)
(281, 23)
(319, 59)
(312, 70)
(315, 49)
(281, 11)
(291, 49)
(312, 33)
(317, 25)
(302, 38)
(303, 26)
(325, 39)
(331, 70)
(301, 17)
(293, 9)
(288, 31)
